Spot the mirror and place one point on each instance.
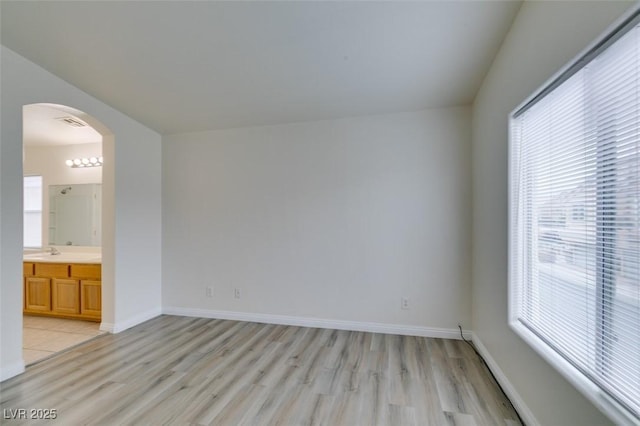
(75, 215)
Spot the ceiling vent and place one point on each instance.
(71, 121)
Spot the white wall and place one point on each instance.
(131, 185)
(49, 162)
(333, 220)
(543, 38)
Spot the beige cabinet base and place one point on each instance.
(65, 290)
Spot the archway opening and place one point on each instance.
(72, 152)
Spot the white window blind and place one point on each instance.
(575, 218)
(32, 236)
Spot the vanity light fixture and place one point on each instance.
(85, 162)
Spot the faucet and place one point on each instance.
(54, 251)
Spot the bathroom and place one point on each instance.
(62, 229)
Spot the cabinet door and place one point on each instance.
(37, 294)
(66, 296)
(91, 298)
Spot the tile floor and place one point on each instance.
(43, 337)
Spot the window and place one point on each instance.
(574, 206)
(32, 211)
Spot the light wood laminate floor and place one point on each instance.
(178, 370)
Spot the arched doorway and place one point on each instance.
(53, 115)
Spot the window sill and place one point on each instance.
(611, 408)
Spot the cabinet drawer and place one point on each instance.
(28, 269)
(86, 271)
(54, 270)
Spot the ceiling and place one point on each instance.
(49, 125)
(185, 66)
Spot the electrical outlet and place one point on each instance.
(236, 293)
(404, 303)
(209, 291)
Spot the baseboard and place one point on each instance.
(518, 403)
(407, 330)
(131, 322)
(11, 370)
(106, 326)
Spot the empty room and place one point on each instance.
(320, 212)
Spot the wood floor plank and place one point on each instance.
(321, 408)
(195, 371)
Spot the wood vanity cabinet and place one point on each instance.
(68, 290)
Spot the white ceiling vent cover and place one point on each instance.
(72, 121)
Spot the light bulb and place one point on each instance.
(100, 159)
(93, 160)
(77, 161)
(85, 161)
(69, 163)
